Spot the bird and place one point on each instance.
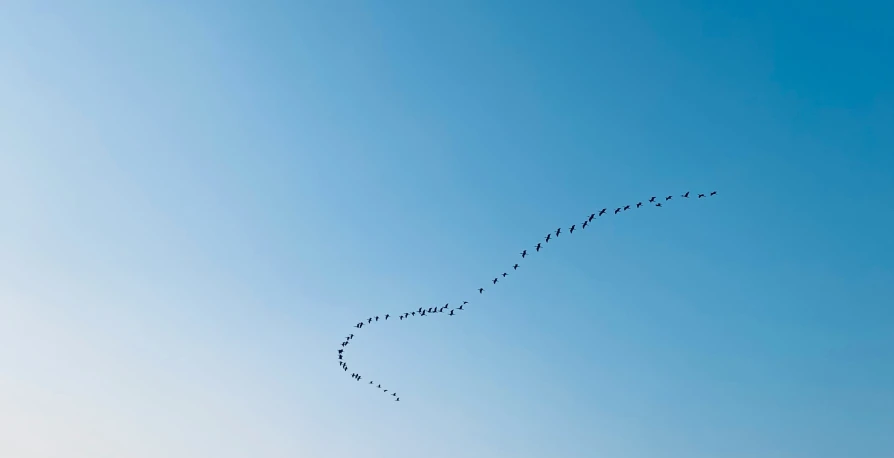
(420, 310)
(515, 267)
(384, 391)
(413, 313)
(504, 274)
(370, 320)
(495, 280)
(558, 231)
(639, 204)
(548, 236)
(524, 253)
(480, 290)
(538, 246)
(465, 302)
(626, 207)
(571, 230)
(686, 195)
(401, 317)
(602, 212)
(658, 204)
(394, 394)
(359, 377)
(592, 215)
(353, 375)
(423, 313)
(617, 210)
(351, 336)
(667, 198)
(652, 199)
(379, 386)
(458, 308)
(451, 313)
(377, 318)
(701, 195)
(340, 351)
(584, 225)
(398, 399)
(358, 325)
(442, 309)
(713, 193)
(370, 382)
(339, 356)
(386, 316)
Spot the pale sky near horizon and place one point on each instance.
(199, 199)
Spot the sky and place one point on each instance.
(199, 199)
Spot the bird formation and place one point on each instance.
(454, 310)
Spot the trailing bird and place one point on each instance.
(524, 253)
(480, 290)
(592, 215)
(617, 210)
(713, 192)
(667, 198)
(686, 195)
(515, 267)
(652, 199)
(701, 195)
(538, 246)
(602, 212)
(639, 204)
(584, 225)
(571, 230)
(626, 207)
(495, 281)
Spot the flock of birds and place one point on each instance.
(454, 310)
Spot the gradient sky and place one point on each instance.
(199, 199)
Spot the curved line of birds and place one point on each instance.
(421, 311)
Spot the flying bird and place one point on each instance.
(652, 199)
(639, 204)
(584, 225)
(558, 231)
(617, 210)
(592, 215)
(667, 198)
(701, 195)
(626, 207)
(658, 204)
(465, 302)
(480, 290)
(377, 318)
(713, 192)
(504, 274)
(686, 195)
(414, 313)
(459, 308)
(571, 230)
(538, 246)
(495, 280)
(386, 316)
(524, 253)
(515, 267)
(451, 313)
(370, 320)
(548, 236)
(602, 212)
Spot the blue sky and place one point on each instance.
(199, 200)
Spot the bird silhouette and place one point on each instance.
(524, 253)
(652, 199)
(701, 195)
(667, 198)
(584, 224)
(626, 207)
(592, 215)
(401, 317)
(398, 399)
(459, 308)
(370, 320)
(465, 302)
(386, 316)
(451, 313)
(377, 318)
(504, 274)
(414, 313)
(571, 229)
(538, 246)
(713, 193)
(617, 210)
(515, 267)
(480, 290)
(495, 281)
(340, 351)
(658, 204)
(639, 204)
(602, 212)
(558, 231)
(686, 195)
(548, 236)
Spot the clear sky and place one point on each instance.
(199, 199)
